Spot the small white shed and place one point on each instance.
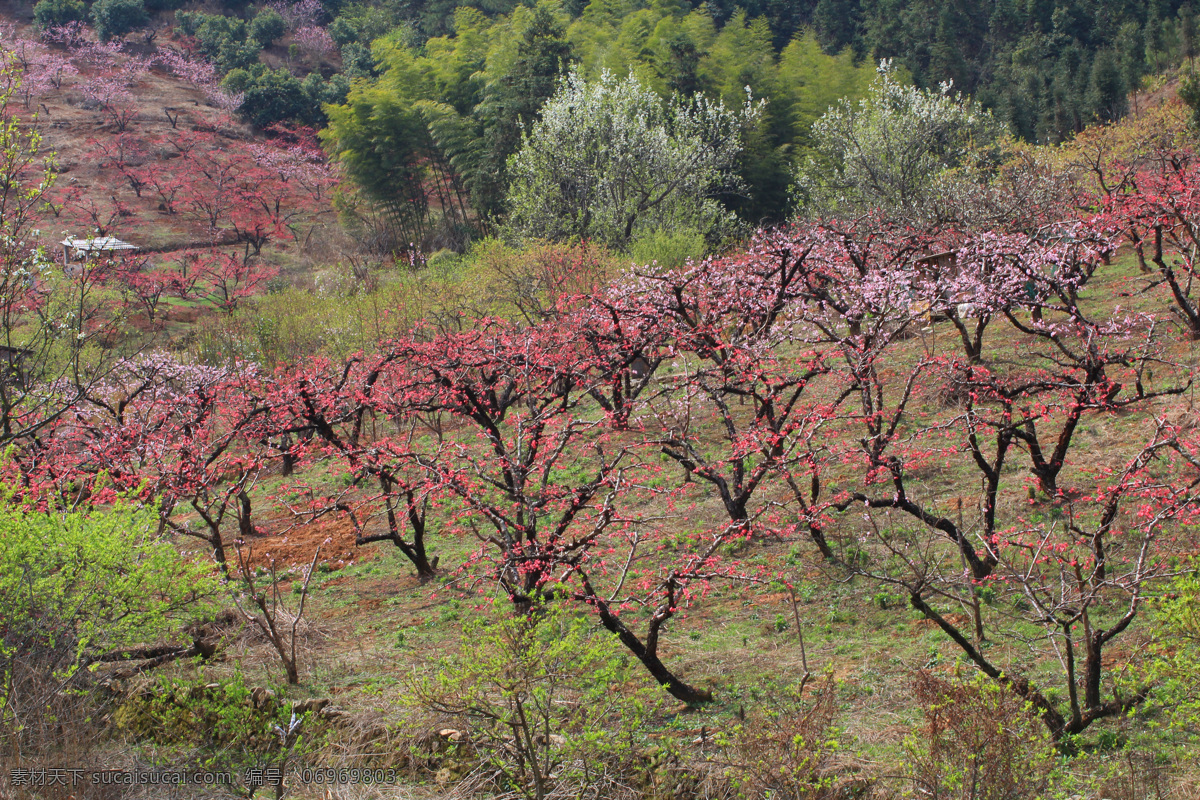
(74, 249)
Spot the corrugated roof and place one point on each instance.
(98, 243)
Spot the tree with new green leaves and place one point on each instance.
(362, 23)
(78, 591)
(678, 64)
(740, 57)
(226, 40)
(274, 96)
(513, 102)
(836, 22)
(438, 126)
(357, 61)
(1174, 670)
(529, 694)
(1187, 34)
(889, 151)
(381, 139)
(609, 160)
(1107, 90)
(813, 82)
(475, 89)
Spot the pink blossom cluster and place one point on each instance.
(298, 13)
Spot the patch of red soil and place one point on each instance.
(184, 314)
(296, 547)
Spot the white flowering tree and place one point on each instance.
(895, 150)
(610, 159)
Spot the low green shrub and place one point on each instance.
(220, 727)
(76, 591)
(113, 18)
(668, 249)
(535, 705)
(53, 13)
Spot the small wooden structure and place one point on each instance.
(75, 248)
(939, 263)
(931, 267)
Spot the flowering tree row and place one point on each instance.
(622, 450)
(103, 72)
(197, 175)
(251, 194)
(61, 321)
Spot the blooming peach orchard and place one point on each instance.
(795, 383)
(920, 419)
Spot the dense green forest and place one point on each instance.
(1046, 69)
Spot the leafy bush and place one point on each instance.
(278, 96)
(188, 22)
(343, 32)
(669, 247)
(525, 284)
(788, 754)
(232, 53)
(222, 38)
(537, 708)
(73, 589)
(267, 26)
(237, 80)
(112, 18)
(274, 96)
(321, 92)
(53, 13)
(357, 61)
(1189, 93)
(362, 23)
(1176, 664)
(443, 259)
(980, 741)
(225, 40)
(224, 726)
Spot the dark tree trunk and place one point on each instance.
(816, 533)
(670, 681)
(218, 546)
(245, 523)
(646, 652)
(1092, 669)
